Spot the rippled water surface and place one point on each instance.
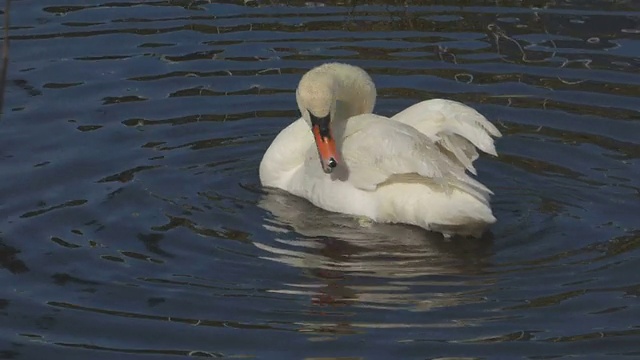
(133, 224)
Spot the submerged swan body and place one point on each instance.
(411, 168)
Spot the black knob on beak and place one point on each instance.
(332, 163)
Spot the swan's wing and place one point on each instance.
(377, 151)
(456, 127)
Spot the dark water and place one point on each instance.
(133, 224)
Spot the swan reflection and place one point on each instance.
(353, 261)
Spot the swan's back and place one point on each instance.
(410, 179)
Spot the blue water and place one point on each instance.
(133, 224)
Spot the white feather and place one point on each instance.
(456, 127)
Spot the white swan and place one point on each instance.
(410, 168)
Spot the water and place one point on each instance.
(133, 224)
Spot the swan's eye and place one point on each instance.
(323, 124)
(332, 163)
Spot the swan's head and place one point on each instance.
(316, 97)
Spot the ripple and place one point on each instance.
(130, 145)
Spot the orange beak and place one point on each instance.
(325, 142)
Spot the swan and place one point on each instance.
(412, 168)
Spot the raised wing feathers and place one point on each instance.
(457, 128)
(378, 151)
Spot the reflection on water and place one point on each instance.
(132, 223)
(332, 248)
(339, 237)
